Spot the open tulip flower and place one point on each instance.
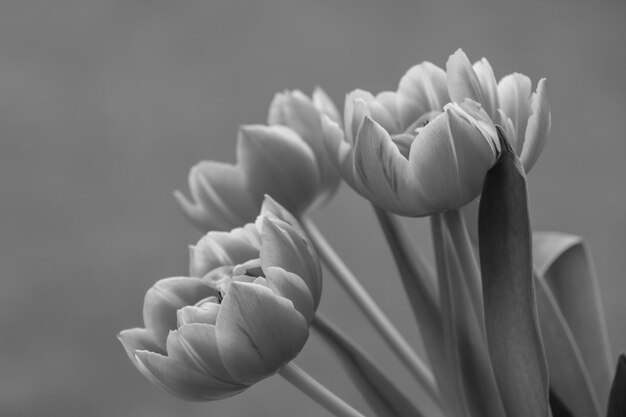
(438, 165)
(286, 160)
(241, 318)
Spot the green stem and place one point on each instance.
(465, 254)
(372, 311)
(317, 392)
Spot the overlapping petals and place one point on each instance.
(243, 314)
(438, 166)
(285, 160)
(524, 114)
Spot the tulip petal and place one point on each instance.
(381, 172)
(514, 94)
(375, 109)
(221, 196)
(138, 339)
(511, 323)
(564, 263)
(488, 85)
(538, 126)
(196, 345)
(181, 380)
(165, 298)
(217, 249)
(462, 80)
(421, 90)
(279, 163)
(292, 287)
(289, 251)
(296, 111)
(191, 314)
(271, 207)
(325, 105)
(257, 332)
(339, 148)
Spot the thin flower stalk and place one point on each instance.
(372, 311)
(297, 377)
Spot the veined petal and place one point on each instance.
(325, 105)
(462, 80)
(514, 94)
(279, 163)
(538, 126)
(195, 344)
(167, 296)
(257, 332)
(381, 172)
(292, 287)
(217, 249)
(375, 109)
(271, 208)
(181, 380)
(138, 339)
(287, 250)
(221, 197)
(489, 86)
(421, 90)
(206, 314)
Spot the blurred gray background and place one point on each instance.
(104, 106)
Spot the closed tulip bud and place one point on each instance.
(286, 160)
(524, 115)
(437, 166)
(243, 316)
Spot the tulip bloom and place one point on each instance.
(243, 315)
(437, 165)
(524, 115)
(286, 160)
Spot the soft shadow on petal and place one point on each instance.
(514, 92)
(279, 163)
(196, 345)
(192, 314)
(338, 149)
(381, 172)
(181, 380)
(258, 332)
(462, 80)
(288, 250)
(538, 126)
(325, 105)
(217, 249)
(138, 339)
(489, 86)
(421, 90)
(165, 298)
(292, 287)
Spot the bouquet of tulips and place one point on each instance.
(511, 319)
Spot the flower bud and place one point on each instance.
(245, 315)
(442, 168)
(286, 160)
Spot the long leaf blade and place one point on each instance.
(511, 321)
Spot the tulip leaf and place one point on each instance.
(617, 397)
(511, 324)
(557, 407)
(380, 393)
(569, 377)
(564, 263)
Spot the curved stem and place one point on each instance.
(372, 311)
(316, 391)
